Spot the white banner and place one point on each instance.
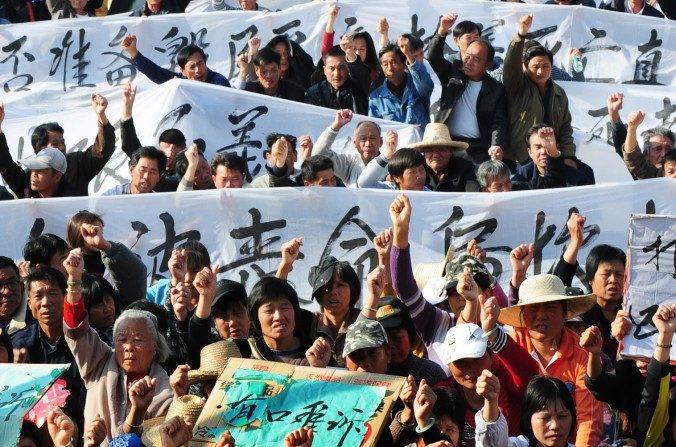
(651, 279)
(233, 5)
(59, 63)
(244, 229)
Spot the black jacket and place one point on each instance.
(287, 90)
(618, 6)
(459, 177)
(491, 107)
(527, 176)
(352, 95)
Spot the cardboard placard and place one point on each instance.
(260, 401)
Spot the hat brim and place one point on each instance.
(34, 165)
(151, 437)
(474, 354)
(201, 376)
(392, 322)
(452, 145)
(575, 305)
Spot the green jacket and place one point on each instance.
(526, 106)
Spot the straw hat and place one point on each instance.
(436, 134)
(545, 288)
(213, 359)
(188, 405)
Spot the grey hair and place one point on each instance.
(490, 170)
(362, 123)
(657, 132)
(161, 346)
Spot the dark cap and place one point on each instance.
(228, 290)
(320, 275)
(392, 312)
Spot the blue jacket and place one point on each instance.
(159, 75)
(557, 175)
(413, 107)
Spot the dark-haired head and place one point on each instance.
(46, 250)
(270, 289)
(449, 412)
(184, 54)
(48, 134)
(73, 233)
(544, 393)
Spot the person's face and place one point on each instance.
(44, 180)
(367, 141)
(134, 347)
(437, 158)
(393, 68)
(447, 426)
(10, 293)
(551, 425)
(539, 70)
(78, 5)
(46, 303)
(277, 319)
(144, 176)
(670, 169)
(537, 151)
(228, 177)
(57, 262)
(464, 40)
(403, 43)
(658, 146)
(335, 297)
(102, 315)
(360, 48)
(203, 175)
(544, 320)
(608, 281)
(170, 150)
(283, 52)
(247, 5)
(467, 371)
(195, 68)
(371, 360)
(335, 70)
(323, 178)
(400, 345)
(413, 179)
(55, 139)
(642, 366)
(268, 75)
(475, 60)
(500, 184)
(456, 303)
(232, 323)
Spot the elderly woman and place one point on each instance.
(538, 319)
(125, 384)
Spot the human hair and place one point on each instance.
(450, 403)
(540, 392)
(172, 136)
(602, 253)
(184, 54)
(266, 56)
(47, 274)
(271, 288)
(280, 38)
(197, 255)
(466, 27)
(403, 159)
(490, 170)
(365, 122)
(371, 59)
(537, 50)
(95, 289)
(313, 165)
(271, 138)
(335, 51)
(346, 273)
(490, 50)
(151, 153)
(415, 43)
(392, 48)
(42, 249)
(161, 347)
(73, 233)
(235, 298)
(9, 262)
(670, 156)
(155, 309)
(181, 162)
(657, 132)
(533, 130)
(40, 135)
(230, 160)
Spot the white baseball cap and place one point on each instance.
(463, 341)
(46, 158)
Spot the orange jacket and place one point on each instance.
(570, 365)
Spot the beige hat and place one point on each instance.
(213, 359)
(188, 405)
(436, 134)
(543, 289)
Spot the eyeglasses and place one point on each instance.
(9, 283)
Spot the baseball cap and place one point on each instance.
(46, 158)
(364, 333)
(228, 290)
(463, 341)
(435, 289)
(391, 312)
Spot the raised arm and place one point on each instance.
(633, 158)
(290, 251)
(513, 77)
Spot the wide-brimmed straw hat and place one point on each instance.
(437, 134)
(188, 405)
(213, 359)
(545, 288)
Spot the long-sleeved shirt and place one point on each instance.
(159, 75)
